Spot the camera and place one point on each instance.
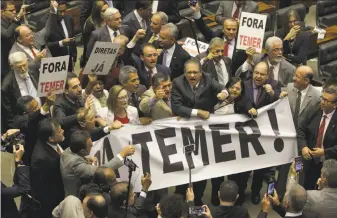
(15, 139)
(130, 164)
(197, 210)
(270, 188)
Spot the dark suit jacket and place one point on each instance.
(131, 21)
(133, 211)
(46, 179)
(143, 74)
(239, 56)
(170, 7)
(20, 187)
(299, 50)
(102, 35)
(179, 57)
(281, 211)
(264, 98)
(28, 127)
(88, 28)
(65, 114)
(308, 132)
(209, 67)
(183, 100)
(7, 41)
(95, 134)
(58, 35)
(10, 92)
(231, 212)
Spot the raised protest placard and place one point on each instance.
(101, 59)
(53, 75)
(191, 47)
(224, 144)
(251, 31)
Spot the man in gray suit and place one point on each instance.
(304, 100)
(139, 18)
(76, 168)
(233, 9)
(108, 32)
(279, 68)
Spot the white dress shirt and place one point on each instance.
(28, 50)
(154, 70)
(169, 54)
(303, 94)
(224, 72)
(66, 34)
(155, 6)
(276, 70)
(111, 33)
(27, 87)
(140, 20)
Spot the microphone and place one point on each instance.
(130, 164)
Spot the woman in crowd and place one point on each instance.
(118, 111)
(234, 103)
(296, 42)
(93, 22)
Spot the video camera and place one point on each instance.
(15, 139)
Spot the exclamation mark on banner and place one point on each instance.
(278, 143)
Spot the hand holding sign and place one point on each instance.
(145, 120)
(116, 125)
(253, 112)
(203, 114)
(146, 182)
(283, 94)
(250, 53)
(189, 194)
(127, 151)
(41, 54)
(269, 89)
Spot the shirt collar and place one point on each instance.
(330, 114)
(288, 214)
(139, 18)
(171, 50)
(232, 42)
(111, 31)
(304, 91)
(153, 69)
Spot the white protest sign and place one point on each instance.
(53, 75)
(101, 59)
(224, 144)
(251, 31)
(191, 47)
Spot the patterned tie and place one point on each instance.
(297, 108)
(271, 72)
(257, 95)
(134, 100)
(165, 58)
(153, 37)
(143, 24)
(194, 89)
(219, 73)
(149, 78)
(319, 141)
(226, 48)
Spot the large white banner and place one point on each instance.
(101, 59)
(224, 145)
(251, 31)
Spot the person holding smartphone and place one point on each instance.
(296, 41)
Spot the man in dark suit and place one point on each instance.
(9, 22)
(129, 79)
(169, 7)
(147, 64)
(215, 63)
(68, 103)
(259, 91)
(46, 180)
(194, 94)
(233, 9)
(29, 114)
(139, 18)
(108, 32)
(228, 34)
(19, 82)
(293, 204)
(317, 135)
(173, 55)
(61, 42)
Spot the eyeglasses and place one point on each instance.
(326, 100)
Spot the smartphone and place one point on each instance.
(196, 210)
(270, 188)
(298, 164)
(188, 149)
(193, 2)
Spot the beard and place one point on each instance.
(23, 75)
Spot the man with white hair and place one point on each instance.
(173, 55)
(279, 68)
(19, 82)
(108, 32)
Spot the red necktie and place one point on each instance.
(236, 13)
(226, 49)
(319, 141)
(32, 49)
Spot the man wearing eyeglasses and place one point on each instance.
(279, 68)
(10, 20)
(317, 137)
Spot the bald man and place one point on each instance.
(304, 101)
(105, 177)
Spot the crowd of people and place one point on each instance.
(153, 78)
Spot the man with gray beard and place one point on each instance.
(279, 68)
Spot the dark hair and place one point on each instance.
(228, 191)
(102, 180)
(329, 171)
(62, 2)
(142, 4)
(98, 205)
(96, 13)
(21, 104)
(158, 78)
(143, 46)
(78, 140)
(119, 194)
(172, 206)
(70, 76)
(87, 189)
(47, 128)
(291, 13)
(193, 60)
(233, 81)
(309, 76)
(4, 4)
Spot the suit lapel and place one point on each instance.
(20, 49)
(135, 21)
(281, 73)
(331, 126)
(307, 99)
(292, 99)
(106, 34)
(174, 56)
